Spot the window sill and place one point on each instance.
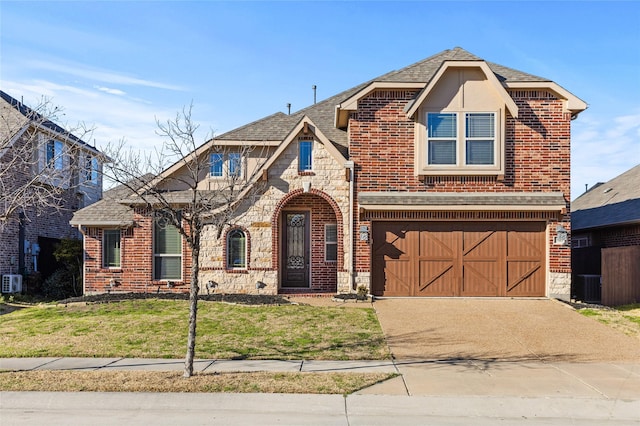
(236, 270)
(461, 171)
(306, 173)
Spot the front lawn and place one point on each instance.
(153, 328)
(624, 318)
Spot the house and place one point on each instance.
(606, 241)
(449, 177)
(46, 174)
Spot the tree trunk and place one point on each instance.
(193, 312)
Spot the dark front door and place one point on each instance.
(295, 249)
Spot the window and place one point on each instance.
(305, 149)
(111, 248)
(331, 242)
(462, 143)
(233, 165)
(581, 241)
(54, 154)
(479, 138)
(236, 249)
(443, 145)
(216, 162)
(441, 134)
(91, 169)
(167, 250)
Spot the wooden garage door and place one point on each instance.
(458, 259)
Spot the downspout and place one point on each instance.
(84, 263)
(350, 166)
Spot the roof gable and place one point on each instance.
(484, 68)
(22, 116)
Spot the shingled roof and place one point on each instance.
(277, 126)
(19, 115)
(616, 202)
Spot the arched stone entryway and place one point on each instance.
(307, 242)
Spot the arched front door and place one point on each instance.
(296, 256)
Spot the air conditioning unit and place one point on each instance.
(11, 283)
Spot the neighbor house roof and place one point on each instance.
(616, 202)
(19, 115)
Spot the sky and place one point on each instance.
(119, 66)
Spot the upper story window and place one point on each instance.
(235, 165)
(91, 169)
(216, 161)
(476, 147)
(236, 249)
(229, 165)
(305, 149)
(111, 248)
(461, 142)
(54, 159)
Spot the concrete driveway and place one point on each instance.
(489, 330)
(502, 348)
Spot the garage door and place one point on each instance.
(458, 259)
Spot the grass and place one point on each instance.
(625, 318)
(154, 328)
(150, 381)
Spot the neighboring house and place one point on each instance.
(449, 177)
(606, 241)
(46, 174)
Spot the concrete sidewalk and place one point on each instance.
(199, 365)
(453, 378)
(427, 392)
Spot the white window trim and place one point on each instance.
(226, 166)
(91, 169)
(58, 172)
(327, 243)
(211, 164)
(104, 266)
(581, 241)
(310, 169)
(421, 166)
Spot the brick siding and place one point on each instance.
(537, 157)
(136, 268)
(49, 222)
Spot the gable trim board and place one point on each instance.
(369, 166)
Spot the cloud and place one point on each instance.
(103, 76)
(110, 91)
(602, 148)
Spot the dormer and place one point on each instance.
(460, 121)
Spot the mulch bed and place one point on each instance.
(241, 299)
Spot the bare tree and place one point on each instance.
(182, 194)
(36, 177)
